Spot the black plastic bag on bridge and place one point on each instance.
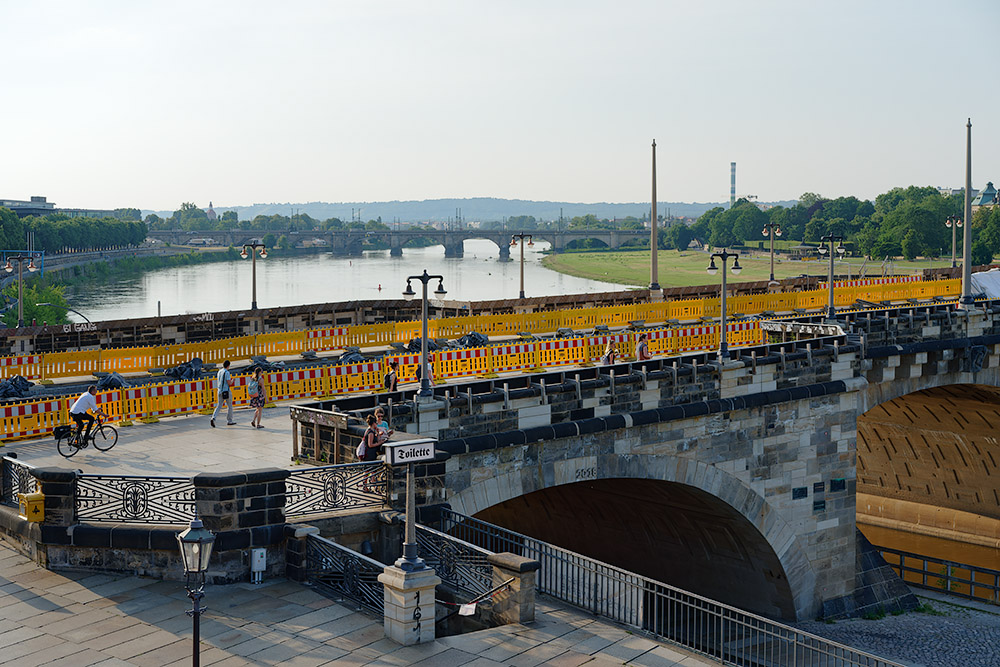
(263, 364)
(189, 370)
(112, 381)
(15, 387)
(351, 357)
(474, 339)
(414, 345)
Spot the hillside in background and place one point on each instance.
(478, 208)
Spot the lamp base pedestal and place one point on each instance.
(410, 610)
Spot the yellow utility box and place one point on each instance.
(31, 506)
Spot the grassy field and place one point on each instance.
(680, 269)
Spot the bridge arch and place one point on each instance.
(736, 523)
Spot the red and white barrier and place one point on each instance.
(515, 349)
(43, 416)
(28, 366)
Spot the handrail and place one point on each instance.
(15, 478)
(704, 625)
(945, 579)
(345, 573)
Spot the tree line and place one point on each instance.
(903, 222)
(58, 232)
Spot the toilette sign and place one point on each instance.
(412, 451)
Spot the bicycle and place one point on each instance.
(103, 436)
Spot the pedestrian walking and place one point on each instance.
(257, 391)
(642, 349)
(391, 379)
(609, 354)
(224, 393)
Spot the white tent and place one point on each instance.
(987, 282)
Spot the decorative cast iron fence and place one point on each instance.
(937, 574)
(334, 488)
(124, 499)
(15, 478)
(458, 563)
(344, 574)
(713, 628)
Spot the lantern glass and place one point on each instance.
(196, 547)
(712, 268)
(408, 293)
(440, 291)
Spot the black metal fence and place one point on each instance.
(134, 499)
(715, 629)
(15, 478)
(938, 574)
(349, 486)
(344, 574)
(460, 564)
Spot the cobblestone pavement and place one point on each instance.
(955, 635)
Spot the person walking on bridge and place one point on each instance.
(642, 349)
(224, 393)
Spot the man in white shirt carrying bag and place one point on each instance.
(224, 392)
(79, 411)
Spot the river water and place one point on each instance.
(320, 278)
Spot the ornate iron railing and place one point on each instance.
(344, 573)
(458, 563)
(124, 499)
(937, 574)
(15, 478)
(695, 622)
(325, 489)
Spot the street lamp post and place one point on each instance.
(253, 247)
(513, 243)
(831, 312)
(72, 310)
(408, 293)
(196, 548)
(953, 222)
(9, 268)
(772, 229)
(724, 256)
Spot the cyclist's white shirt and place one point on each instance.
(87, 401)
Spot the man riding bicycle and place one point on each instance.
(87, 401)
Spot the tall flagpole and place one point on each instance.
(966, 300)
(654, 274)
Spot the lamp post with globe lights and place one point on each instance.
(408, 293)
(255, 248)
(831, 239)
(953, 222)
(196, 549)
(9, 268)
(712, 269)
(513, 243)
(772, 229)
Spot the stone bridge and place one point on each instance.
(350, 242)
(735, 480)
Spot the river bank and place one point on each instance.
(687, 268)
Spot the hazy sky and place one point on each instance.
(109, 104)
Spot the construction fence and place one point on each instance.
(57, 365)
(36, 418)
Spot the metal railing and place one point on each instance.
(134, 499)
(695, 622)
(345, 574)
(938, 574)
(458, 563)
(349, 486)
(15, 478)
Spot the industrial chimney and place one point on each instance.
(732, 184)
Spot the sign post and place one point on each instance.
(410, 452)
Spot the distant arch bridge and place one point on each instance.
(351, 241)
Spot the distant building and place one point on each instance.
(41, 206)
(988, 198)
(211, 212)
(947, 192)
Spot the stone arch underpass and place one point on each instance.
(672, 519)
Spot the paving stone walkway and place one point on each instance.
(61, 619)
(954, 633)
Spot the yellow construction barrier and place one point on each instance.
(283, 343)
